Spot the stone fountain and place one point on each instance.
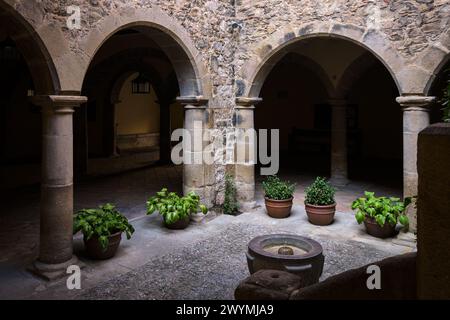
(295, 254)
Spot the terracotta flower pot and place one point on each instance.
(374, 229)
(320, 215)
(179, 225)
(279, 209)
(95, 250)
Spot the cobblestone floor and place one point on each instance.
(212, 269)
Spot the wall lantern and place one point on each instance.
(140, 85)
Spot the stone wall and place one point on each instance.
(411, 26)
(231, 45)
(227, 34)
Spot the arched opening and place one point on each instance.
(302, 86)
(26, 69)
(301, 104)
(376, 155)
(20, 121)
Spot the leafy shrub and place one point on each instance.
(320, 193)
(445, 101)
(101, 222)
(230, 204)
(276, 189)
(382, 209)
(173, 207)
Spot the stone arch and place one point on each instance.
(168, 35)
(113, 72)
(118, 76)
(32, 48)
(269, 51)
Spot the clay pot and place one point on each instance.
(374, 229)
(179, 225)
(95, 250)
(279, 209)
(320, 215)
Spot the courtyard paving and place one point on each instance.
(205, 261)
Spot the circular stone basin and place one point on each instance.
(272, 252)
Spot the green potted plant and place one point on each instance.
(380, 214)
(320, 205)
(175, 210)
(278, 197)
(102, 230)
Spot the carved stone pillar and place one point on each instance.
(198, 176)
(415, 119)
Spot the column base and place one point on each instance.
(51, 272)
(407, 239)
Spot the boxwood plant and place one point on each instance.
(173, 207)
(320, 193)
(230, 204)
(101, 222)
(382, 209)
(276, 189)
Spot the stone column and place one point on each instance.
(56, 221)
(415, 118)
(245, 165)
(197, 176)
(164, 132)
(339, 171)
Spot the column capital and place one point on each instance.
(196, 101)
(58, 103)
(415, 102)
(247, 101)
